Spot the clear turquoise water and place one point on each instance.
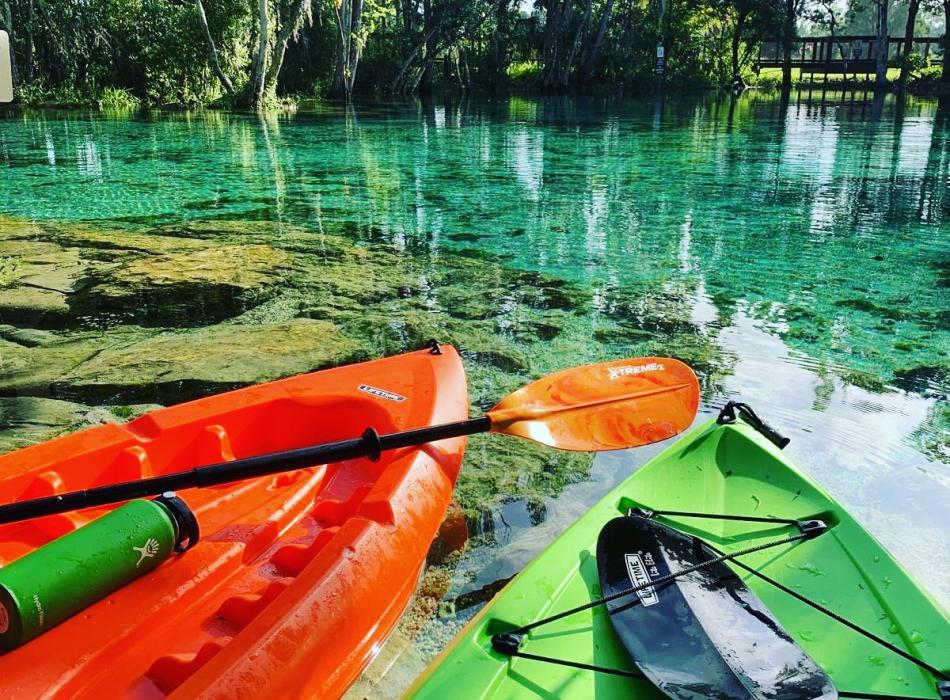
(813, 217)
(808, 245)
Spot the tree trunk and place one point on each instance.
(408, 17)
(498, 48)
(912, 8)
(556, 14)
(410, 59)
(788, 35)
(297, 13)
(256, 91)
(564, 76)
(737, 82)
(832, 30)
(432, 45)
(212, 51)
(463, 57)
(593, 53)
(29, 42)
(342, 13)
(356, 44)
(880, 78)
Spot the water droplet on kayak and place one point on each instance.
(893, 628)
(806, 636)
(811, 569)
(877, 559)
(916, 637)
(886, 581)
(875, 660)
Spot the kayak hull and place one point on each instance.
(297, 579)
(725, 469)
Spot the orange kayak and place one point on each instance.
(297, 578)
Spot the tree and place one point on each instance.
(825, 14)
(790, 11)
(883, 44)
(498, 52)
(212, 50)
(945, 77)
(908, 48)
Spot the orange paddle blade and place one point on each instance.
(607, 406)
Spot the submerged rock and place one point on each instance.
(26, 370)
(35, 278)
(56, 275)
(294, 300)
(26, 420)
(193, 287)
(175, 365)
(33, 307)
(499, 471)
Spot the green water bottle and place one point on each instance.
(54, 582)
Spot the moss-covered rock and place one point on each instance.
(193, 287)
(933, 436)
(35, 278)
(27, 420)
(33, 306)
(34, 370)
(167, 366)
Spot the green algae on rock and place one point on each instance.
(26, 420)
(933, 436)
(185, 287)
(205, 360)
(31, 370)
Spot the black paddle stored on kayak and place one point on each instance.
(703, 634)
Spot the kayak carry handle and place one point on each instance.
(728, 415)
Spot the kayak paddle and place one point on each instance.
(606, 406)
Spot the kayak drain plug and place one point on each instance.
(507, 643)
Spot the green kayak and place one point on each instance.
(858, 619)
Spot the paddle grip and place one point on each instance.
(774, 436)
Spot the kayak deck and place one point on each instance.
(720, 469)
(297, 578)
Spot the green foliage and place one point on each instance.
(117, 99)
(926, 80)
(914, 60)
(37, 93)
(123, 412)
(121, 53)
(771, 80)
(524, 74)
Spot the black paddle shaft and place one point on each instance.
(370, 444)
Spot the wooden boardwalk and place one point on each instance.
(852, 55)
